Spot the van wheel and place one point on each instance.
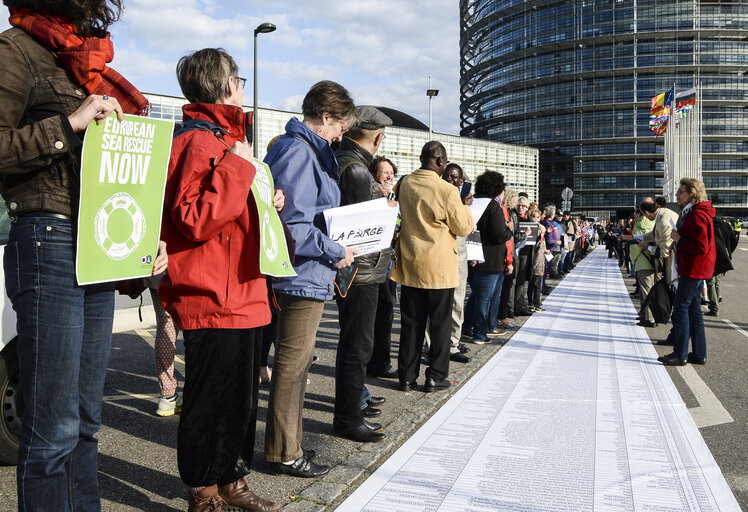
(10, 404)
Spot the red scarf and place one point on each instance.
(84, 59)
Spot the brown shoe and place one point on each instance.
(239, 498)
(206, 500)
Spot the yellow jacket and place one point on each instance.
(432, 217)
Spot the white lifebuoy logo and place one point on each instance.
(269, 240)
(119, 250)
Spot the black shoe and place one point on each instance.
(432, 385)
(695, 360)
(672, 360)
(407, 386)
(667, 342)
(361, 433)
(646, 323)
(376, 400)
(373, 425)
(711, 313)
(370, 412)
(457, 357)
(464, 349)
(302, 467)
(524, 312)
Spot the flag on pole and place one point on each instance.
(660, 112)
(685, 99)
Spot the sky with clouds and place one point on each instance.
(381, 50)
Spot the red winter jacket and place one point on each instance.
(695, 251)
(210, 227)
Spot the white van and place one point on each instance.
(10, 422)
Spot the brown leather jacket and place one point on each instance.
(39, 151)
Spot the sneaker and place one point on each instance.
(539, 309)
(481, 342)
(167, 406)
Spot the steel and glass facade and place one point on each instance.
(575, 79)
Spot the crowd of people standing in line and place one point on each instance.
(678, 261)
(207, 280)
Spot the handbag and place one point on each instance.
(344, 279)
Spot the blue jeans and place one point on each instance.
(688, 321)
(479, 313)
(64, 335)
(365, 398)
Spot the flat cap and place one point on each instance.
(371, 118)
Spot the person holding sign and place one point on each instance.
(55, 81)
(304, 166)
(358, 309)
(214, 288)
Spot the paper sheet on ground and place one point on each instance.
(367, 226)
(573, 414)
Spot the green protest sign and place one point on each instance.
(274, 258)
(123, 175)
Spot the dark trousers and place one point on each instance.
(522, 272)
(380, 355)
(356, 314)
(216, 435)
(506, 303)
(536, 287)
(417, 306)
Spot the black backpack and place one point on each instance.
(660, 301)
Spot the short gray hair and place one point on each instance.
(550, 210)
(204, 75)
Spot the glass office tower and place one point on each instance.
(575, 79)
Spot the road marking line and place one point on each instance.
(741, 331)
(743, 249)
(710, 411)
(131, 396)
(151, 340)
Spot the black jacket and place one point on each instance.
(356, 186)
(725, 241)
(494, 234)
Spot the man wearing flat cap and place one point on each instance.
(358, 310)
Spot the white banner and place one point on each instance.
(367, 226)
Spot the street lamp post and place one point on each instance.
(261, 29)
(431, 93)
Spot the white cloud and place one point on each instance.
(292, 103)
(381, 50)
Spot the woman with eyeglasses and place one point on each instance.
(214, 288)
(304, 166)
(695, 256)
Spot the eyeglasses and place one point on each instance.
(242, 81)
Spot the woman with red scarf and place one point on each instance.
(55, 81)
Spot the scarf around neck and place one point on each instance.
(85, 59)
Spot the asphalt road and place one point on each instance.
(138, 458)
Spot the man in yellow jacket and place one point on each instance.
(426, 266)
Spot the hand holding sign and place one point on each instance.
(350, 252)
(242, 150)
(94, 107)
